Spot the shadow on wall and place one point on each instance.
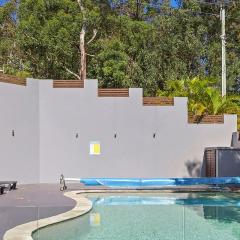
(194, 168)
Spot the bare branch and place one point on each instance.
(33, 38)
(90, 55)
(74, 74)
(93, 37)
(80, 5)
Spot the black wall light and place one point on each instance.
(115, 135)
(76, 135)
(13, 133)
(154, 135)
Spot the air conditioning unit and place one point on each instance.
(221, 162)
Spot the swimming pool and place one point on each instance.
(165, 216)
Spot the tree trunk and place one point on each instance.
(138, 2)
(82, 67)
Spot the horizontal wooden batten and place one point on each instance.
(158, 101)
(113, 92)
(5, 78)
(68, 84)
(208, 119)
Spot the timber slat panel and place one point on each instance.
(5, 78)
(113, 92)
(210, 160)
(158, 101)
(68, 84)
(209, 119)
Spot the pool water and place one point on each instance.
(153, 217)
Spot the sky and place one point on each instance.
(173, 2)
(2, 2)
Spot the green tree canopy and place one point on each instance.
(140, 43)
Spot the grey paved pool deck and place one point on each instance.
(32, 202)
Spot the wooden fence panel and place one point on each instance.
(113, 92)
(68, 84)
(158, 101)
(208, 119)
(5, 78)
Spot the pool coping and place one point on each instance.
(25, 231)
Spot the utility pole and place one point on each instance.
(223, 37)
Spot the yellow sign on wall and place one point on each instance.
(95, 148)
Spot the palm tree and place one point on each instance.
(203, 97)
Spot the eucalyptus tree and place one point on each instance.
(53, 34)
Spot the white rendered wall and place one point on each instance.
(46, 120)
(19, 154)
(134, 152)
